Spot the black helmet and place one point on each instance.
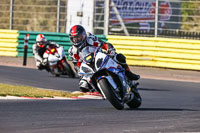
(77, 35)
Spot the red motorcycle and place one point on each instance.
(57, 62)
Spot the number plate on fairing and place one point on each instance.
(103, 61)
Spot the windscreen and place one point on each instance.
(87, 51)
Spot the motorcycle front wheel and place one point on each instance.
(110, 94)
(54, 72)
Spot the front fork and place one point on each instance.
(112, 83)
(60, 65)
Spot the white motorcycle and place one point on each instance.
(108, 78)
(57, 62)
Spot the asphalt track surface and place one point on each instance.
(168, 106)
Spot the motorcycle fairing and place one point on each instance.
(85, 69)
(103, 61)
(54, 58)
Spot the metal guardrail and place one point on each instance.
(12, 41)
(141, 51)
(8, 42)
(59, 38)
(158, 52)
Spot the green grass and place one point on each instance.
(27, 91)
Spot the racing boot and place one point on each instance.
(42, 67)
(129, 74)
(132, 76)
(121, 59)
(47, 68)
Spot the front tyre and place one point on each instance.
(54, 72)
(110, 94)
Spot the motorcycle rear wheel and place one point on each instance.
(136, 101)
(109, 92)
(68, 69)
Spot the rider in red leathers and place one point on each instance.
(80, 39)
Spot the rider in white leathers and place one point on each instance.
(81, 39)
(39, 48)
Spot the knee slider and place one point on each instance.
(83, 83)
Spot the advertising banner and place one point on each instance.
(140, 11)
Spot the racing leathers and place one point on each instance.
(92, 40)
(38, 52)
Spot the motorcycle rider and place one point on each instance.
(39, 48)
(81, 39)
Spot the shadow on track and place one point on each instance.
(151, 89)
(63, 77)
(161, 109)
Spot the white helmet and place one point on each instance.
(40, 40)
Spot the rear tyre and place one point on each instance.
(110, 94)
(68, 69)
(136, 101)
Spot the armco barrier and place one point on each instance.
(159, 52)
(12, 41)
(141, 51)
(8, 42)
(60, 38)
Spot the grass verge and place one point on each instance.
(27, 91)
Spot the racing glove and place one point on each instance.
(70, 52)
(111, 52)
(44, 62)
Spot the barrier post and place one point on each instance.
(26, 38)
